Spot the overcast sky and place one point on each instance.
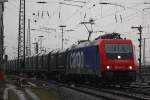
(119, 16)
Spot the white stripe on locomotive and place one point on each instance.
(77, 59)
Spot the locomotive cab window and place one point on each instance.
(118, 51)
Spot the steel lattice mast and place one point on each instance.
(21, 36)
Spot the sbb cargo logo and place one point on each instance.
(77, 59)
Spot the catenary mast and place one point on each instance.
(21, 36)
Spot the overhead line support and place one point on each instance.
(21, 36)
(140, 47)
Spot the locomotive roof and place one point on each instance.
(92, 43)
(83, 44)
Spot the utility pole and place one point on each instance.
(144, 50)
(28, 43)
(140, 47)
(21, 36)
(62, 31)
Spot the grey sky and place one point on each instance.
(108, 18)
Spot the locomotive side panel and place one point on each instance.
(83, 61)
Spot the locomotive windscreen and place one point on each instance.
(119, 51)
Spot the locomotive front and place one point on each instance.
(118, 62)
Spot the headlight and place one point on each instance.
(119, 57)
(130, 67)
(108, 67)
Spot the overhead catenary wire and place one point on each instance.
(125, 19)
(112, 13)
(127, 9)
(67, 18)
(109, 15)
(76, 1)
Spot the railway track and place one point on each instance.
(103, 93)
(86, 93)
(113, 93)
(136, 91)
(120, 93)
(139, 89)
(134, 96)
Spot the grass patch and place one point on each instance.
(12, 95)
(44, 94)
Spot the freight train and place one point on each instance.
(1, 76)
(108, 58)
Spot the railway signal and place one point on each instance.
(140, 47)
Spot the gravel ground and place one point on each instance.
(23, 92)
(45, 94)
(12, 95)
(30, 93)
